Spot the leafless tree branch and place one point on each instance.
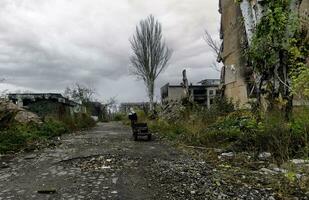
(214, 45)
(215, 66)
(80, 93)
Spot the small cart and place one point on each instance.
(138, 129)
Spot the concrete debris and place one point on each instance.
(4, 165)
(268, 171)
(172, 111)
(280, 170)
(299, 161)
(229, 154)
(24, 116)
(193, 192)
(29, 157)
(264, 155)
(9, 112)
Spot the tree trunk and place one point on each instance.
(151, 95)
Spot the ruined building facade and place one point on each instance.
(202, 94)
(238, 21)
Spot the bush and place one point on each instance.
(119, 117)
(84, 121)
(300, 132)
(80, 121)
(19, 135)
(53, 128)
(276, 136)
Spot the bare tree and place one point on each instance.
(213, 44)
(151, 54)
(80, 93)
(216, 66)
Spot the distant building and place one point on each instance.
(97, 110)
(47, 104)
(125, 107)
(203, 94)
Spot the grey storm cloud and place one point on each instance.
(47, 45)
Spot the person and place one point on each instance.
(132, 117)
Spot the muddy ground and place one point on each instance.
(106, 163)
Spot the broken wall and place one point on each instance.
(234, 40)
(238, 21)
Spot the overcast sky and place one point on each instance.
(46, 45)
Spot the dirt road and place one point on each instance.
(105, 163)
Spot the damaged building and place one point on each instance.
(125, 107)
(47, 105)
(238, 22)
(203, 94)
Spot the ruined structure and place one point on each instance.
(238, 22)
(203, 94)
(47, 104)
(125, 107)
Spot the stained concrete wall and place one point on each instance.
(237, 25)
(175, 94)
(234, 39)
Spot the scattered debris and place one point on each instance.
(31, 156)
(229, 154)
(193, 192)
(47, 191)
(264, 155)
(268, 171)
(299, 161)
(9, 113)
(4, 165)
(280, 170)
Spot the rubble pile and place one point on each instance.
(9, 113)
(192, 179)
(172, 111)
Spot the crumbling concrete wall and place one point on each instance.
(238, 21)
(234, 40)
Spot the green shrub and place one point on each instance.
(13, 139)
(84, 121)
(19, 135)
(119, 117)
(300, 132)
(242, 130)
(52, 129)
(276, 136)
(79, 121)
(168, 130)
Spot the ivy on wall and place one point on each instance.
(278, 54)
